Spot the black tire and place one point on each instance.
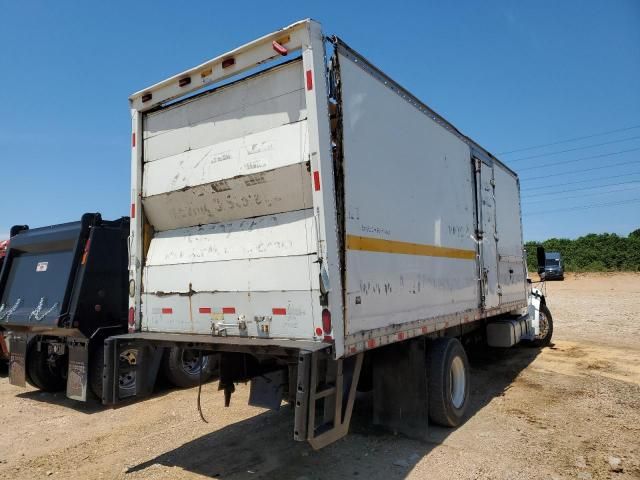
(46, 372)
(447, 405)
(180, 367)
(544, 339)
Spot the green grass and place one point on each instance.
(596, 252)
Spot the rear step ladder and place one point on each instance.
(322, 415)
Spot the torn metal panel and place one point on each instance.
(261, 103)
(250, 154)
(278, 235)
(252, 119)
(281, 190)
(195, 273)
(290, 273)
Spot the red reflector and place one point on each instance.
(228, 309)
(167, 310)
(146, 97)
(132, 316)
(133, 210)
(86, 252)
(318, 331)
(279, 311)
(279, 48)
(205, 310)
(400, 336)
(371, 343)
(133, 139)
(309, 80)
(316, 180)
(326, 322)
(227, 62)
(183, 82)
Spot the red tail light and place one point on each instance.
(279, 48)
(132, 317)
(86, 252)
(326, 324)
(309, 80)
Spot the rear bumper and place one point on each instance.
(146, 349)
(223, 344)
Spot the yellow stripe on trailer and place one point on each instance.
(379, 245)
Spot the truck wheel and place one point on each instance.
(448, 370)
(127, 381)
(182, 367)
(45, 371)
(546, 328)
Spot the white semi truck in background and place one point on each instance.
(302, 216)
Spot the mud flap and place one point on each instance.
(78, 372)
(400, 395)
(17, 361)
(267, 390)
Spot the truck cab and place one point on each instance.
(553, 266)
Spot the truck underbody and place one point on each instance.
(322, 389)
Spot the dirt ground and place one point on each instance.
(569, 411)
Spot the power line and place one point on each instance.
(584, 147)
(585, 207)
(559, 142)
(564, 162)
(581, 189)
(581, 181)
(555, 199)
(581, 170)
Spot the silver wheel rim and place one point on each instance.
(457, 384)
(543, 325)
(192, 363)
(128, 380)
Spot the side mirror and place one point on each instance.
(541, 257)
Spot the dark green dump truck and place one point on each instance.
(63, 290)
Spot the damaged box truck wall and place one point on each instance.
(293, 209)
(227, 190)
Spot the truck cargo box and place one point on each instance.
(314, 202)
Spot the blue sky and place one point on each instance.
(509, 74)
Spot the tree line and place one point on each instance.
(596, 252)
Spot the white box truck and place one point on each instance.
(297, 212)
